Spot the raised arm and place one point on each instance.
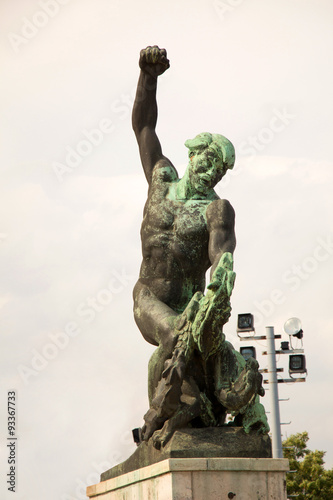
(153, 62)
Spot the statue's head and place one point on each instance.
(211, 155)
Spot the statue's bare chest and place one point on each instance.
(181, 220)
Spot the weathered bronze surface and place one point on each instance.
(195, 376)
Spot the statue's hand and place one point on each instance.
(153, 61)
(223, 274)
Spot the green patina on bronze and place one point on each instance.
(196, 378)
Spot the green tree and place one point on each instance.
(310, 481)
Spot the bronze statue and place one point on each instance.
(195, 375)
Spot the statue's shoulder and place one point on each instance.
(164, 171)
(219, 213)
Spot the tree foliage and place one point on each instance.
(310, 481)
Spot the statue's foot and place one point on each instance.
(161, 437)
(152, 423)
(180, 419)
(193, 405)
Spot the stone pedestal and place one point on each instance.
(207, 442)
(199, 479)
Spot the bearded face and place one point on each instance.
(205, 170)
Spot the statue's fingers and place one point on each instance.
(155, 53)
(148, 54)
(163, 60)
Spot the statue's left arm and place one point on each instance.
(221, 227)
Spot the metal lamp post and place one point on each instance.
(274, 394)
(293, 329)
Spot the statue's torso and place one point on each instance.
(174, 245)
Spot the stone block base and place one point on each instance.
(207, 442)
(199, 479)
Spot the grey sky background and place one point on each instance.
(258, 72)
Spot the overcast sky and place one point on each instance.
(72, 193)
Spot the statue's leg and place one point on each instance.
(155, 370)
(155, 321)
(160, 325)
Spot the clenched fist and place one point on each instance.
(153, 61)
